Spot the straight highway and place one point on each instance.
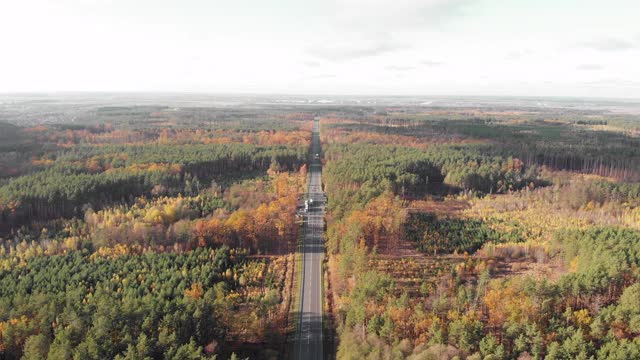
(309, 339)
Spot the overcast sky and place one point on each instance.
(377, 47)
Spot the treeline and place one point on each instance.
(257, 215)
(151, 306)
(357, 173)
(616, 162)
(598, 193)
(71, 135)
(434, 235)
(197, 159)
(125, 172)
(143, 117)
(377, 226)
(384, 222)
(605, 261)
(16, 149)
(53, 194)
(558, 145)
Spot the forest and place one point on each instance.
(126, 238)
(482, 234)
(172, 232)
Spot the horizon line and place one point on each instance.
(272, 94)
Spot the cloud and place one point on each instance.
(623, 82)
(359, 29)
(431, 63)
(356, 50)
(518, 54)
(311, 63)
(590, 67)
(405, 68)
(397, 14)
(324, 76)
(399, 68)
(613, 82)
(611, 44)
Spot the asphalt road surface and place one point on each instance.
(309, 339)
